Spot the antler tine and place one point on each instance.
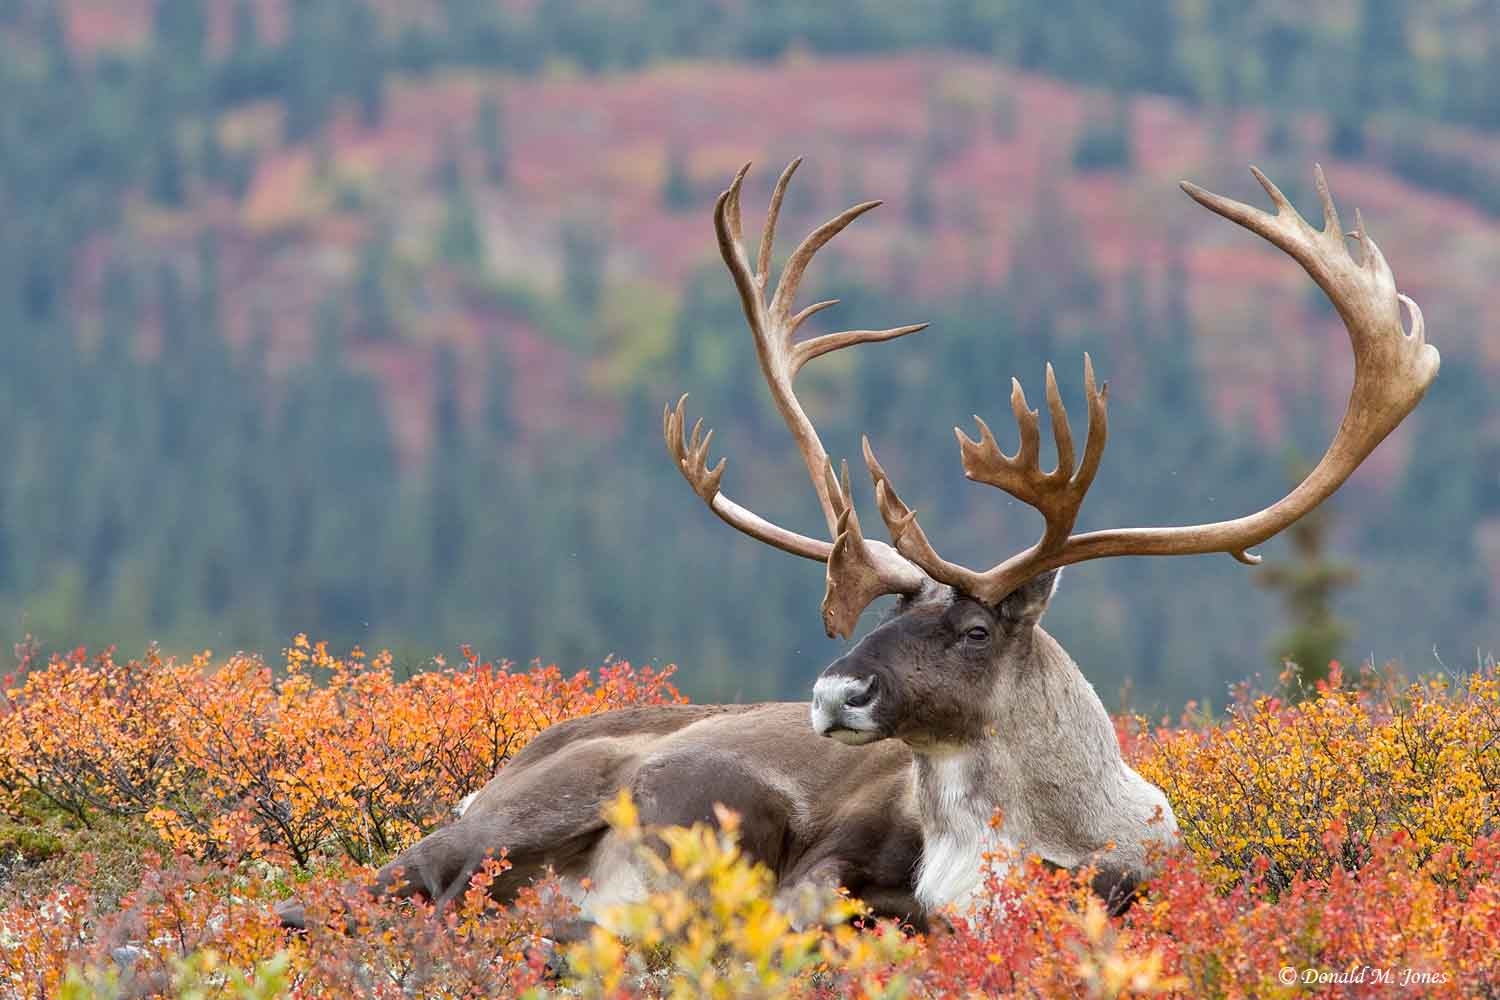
(805, 351)
(859, 571)
(1026, 421)
(808, 311)
(791, 274)
(768, 235)
(732, 249)
(731, 201)
(1325, 198)
(1057, 495)
(1062, 433)
(1093, 446)
(845, 492)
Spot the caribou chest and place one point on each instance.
(956, 811)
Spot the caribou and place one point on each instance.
(957, 706)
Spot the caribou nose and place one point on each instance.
(834, 694)
(860, 697)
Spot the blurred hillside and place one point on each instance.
(355, 318)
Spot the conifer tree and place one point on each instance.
(459, 241)
(1308, 584)
(677, 194)
(490, 135)
(182, 29)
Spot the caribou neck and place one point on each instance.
(1047, 762)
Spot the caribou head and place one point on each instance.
(937, 673)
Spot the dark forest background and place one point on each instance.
(307, 323)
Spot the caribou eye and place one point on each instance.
(977, 634)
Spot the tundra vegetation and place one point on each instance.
(304, 305)
(157, 809)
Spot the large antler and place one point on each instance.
(858, 570)
(1392, 369)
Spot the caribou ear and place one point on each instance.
(1025, 605)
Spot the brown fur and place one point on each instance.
(792, 788)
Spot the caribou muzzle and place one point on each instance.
(843, 707)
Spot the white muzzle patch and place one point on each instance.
(833, 716)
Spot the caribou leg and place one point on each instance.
(544, 812)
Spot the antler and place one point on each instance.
(859, 570)
(1058, 494)
(1392, 369)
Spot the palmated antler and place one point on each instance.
(859, 570)
(1392, 369)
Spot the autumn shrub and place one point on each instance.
(1396, 925)
(194, 929)
(1040, 932)
(711, 928)
(328, 755)
(1258, 794)
(87, 735)
(1342, 845)
(1426, 928)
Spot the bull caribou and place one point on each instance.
(956, 707)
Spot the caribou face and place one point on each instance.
(930, 674)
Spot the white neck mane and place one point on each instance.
(1051, 765)
(957, 830)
